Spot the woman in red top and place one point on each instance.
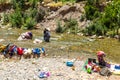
(101, 55)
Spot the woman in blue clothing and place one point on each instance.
(47, 35)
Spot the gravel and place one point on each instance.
(29, 69)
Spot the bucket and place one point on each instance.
(70, 64)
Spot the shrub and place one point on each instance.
(29, 23)
(111, 34)
(33, 3)
(5, 18)
(40, 14)
(16, 18)
(89, 30)
(66, 1)
(91, 12)
(96, 28)
(82, 17)
(59, 28)
(31, 12)
(72, 26)
(79, 0)
(18, 3)
(100, 29)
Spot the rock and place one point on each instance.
(66, 9)
(101, 37)
(24, 70)
(116, 36)
(2, 40)
(93, 37)
(37, 41)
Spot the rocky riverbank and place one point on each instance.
(29, 69)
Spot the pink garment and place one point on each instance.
(99, 53)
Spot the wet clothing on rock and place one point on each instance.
(26, 35)
(29, 35)
(20, 51)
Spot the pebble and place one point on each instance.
(26, 70)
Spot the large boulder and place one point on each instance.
(64, 13)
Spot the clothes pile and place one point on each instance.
(26, 36)
(11, 50)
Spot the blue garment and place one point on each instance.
(46, 36)
(36, 51)
(43, 49)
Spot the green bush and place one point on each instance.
(110, 33)
(59, 28)
(33, 3)
(72, 26)
(40, 14)
(18, 3)
(89, 30)
(91, 12)
(31, 12)
(29, 23)
(79, 0)
(96, 28)
(111, 17)
(5, 18)
(93, 2)
(23, 20)
(82, 18)
(72, 1)
(16, 18)
(100, 29)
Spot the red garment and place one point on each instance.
(20, 51)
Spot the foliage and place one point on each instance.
(59, 28)
(5, 18)
(72, 26)
(92, 2)
(79, 0)
(82, 18)
(96, 28)
(31, 12)
(40, 14)
(16, 18)
(29, 23)
(33, 3)
(105, 22)
(113, 21)
(18, 3)
(23, 20)
(22, 17)
(64, 1)
(91, 12)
